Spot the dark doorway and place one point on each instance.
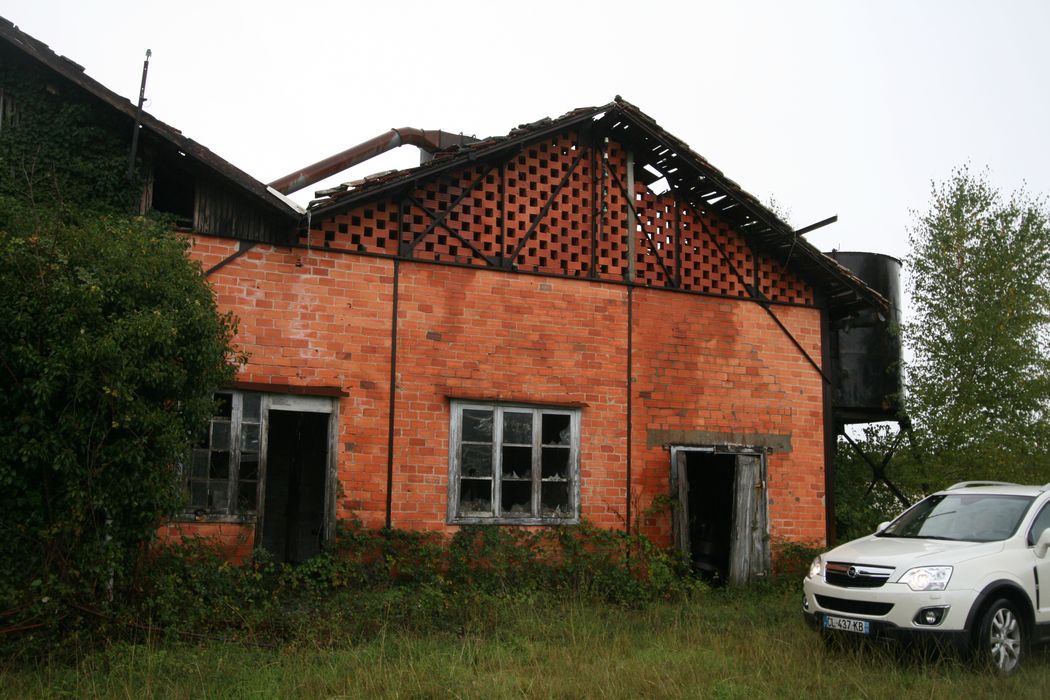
(720, 521)
(710, 501)
(296, 463)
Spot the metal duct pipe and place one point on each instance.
(427, 140)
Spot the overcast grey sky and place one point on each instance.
(844, 108)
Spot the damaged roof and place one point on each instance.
(74, 73)
(691, 176)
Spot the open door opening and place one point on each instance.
(710, 512)
(720, 523)
(297, 463)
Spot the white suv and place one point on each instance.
(967, 566)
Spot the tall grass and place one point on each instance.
(714, 644)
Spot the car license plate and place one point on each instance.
(846, 624)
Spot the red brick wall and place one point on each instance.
(488, 335)
(311, 318)
(723, 366)
(235, 539)
(322, 318)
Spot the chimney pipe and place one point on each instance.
(427, 140)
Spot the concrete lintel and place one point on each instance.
(706, 438)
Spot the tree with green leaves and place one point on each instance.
(978, 384)
(110, 348)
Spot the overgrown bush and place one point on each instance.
(374, 581)
(111, 346)
(793, 559)
(374, 578)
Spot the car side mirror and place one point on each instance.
(882, 526)
(1043, 543)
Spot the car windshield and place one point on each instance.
(965, 516)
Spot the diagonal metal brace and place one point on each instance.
(759, 298)
(439, 219)
(474, 249)
(879, 471)
(546, 208)
(630, 203)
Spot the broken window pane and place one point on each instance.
(517, 462)
(204, 438)
(555, 463)
(249, 470)
(517, 499)
(199, 468)
(476, 460)
(475, 497)
(198, 494)
(477, 425)
(250, 437)
(220, 435)
(246, 496)
(220, 465)
(250, 407)
(217, 495)
(554, 499)
(556, 429)
(224, 405)
(517, 428)
(533, 460)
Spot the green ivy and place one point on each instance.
(61, 153)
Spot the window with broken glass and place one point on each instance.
(513, 464)
(223, 472)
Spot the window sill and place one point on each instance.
(483, 520)
(214, 518)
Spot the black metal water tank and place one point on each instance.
(866, 348)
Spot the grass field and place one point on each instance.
(717, 645)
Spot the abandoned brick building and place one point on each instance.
(575, 321)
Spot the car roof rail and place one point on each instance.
(971, 484)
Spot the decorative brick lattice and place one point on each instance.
(371, 228)
(778, 285)
(559, 241)
(468, 201)
(612, 243)
(704, 267)
(740, 258)
(655, 235)
(670, 239)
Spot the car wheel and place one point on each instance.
(1000, 637)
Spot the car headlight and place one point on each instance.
(927, 578)
(816, 568)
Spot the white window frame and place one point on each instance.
(495, 515)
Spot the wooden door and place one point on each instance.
(749, 552)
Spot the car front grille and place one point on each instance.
(847, 575)
(857, 607)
